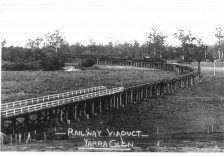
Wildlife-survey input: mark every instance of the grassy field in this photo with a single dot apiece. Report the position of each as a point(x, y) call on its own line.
point(207, 69)
point(17, 85)
point(191, 119)
point(209, 64)
point(185, 123)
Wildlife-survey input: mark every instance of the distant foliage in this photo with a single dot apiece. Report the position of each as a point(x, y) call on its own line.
point(49, 63)
point(21, 66)
point(87, 63)
point(55, 50)
point(156, 44)
point(180, 60)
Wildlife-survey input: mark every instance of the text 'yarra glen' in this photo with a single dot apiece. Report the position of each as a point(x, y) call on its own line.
point(99, 138)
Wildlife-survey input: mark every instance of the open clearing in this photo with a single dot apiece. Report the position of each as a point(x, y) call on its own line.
point(17, 85)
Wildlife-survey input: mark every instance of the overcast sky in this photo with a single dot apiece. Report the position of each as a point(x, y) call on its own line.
point(108, 20)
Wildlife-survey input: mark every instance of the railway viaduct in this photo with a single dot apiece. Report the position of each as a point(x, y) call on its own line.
point(32, 115)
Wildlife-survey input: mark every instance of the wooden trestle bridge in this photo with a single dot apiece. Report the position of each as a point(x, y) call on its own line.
point(34, 114)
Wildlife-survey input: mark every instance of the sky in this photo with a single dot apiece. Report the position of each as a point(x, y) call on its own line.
point(107, 21)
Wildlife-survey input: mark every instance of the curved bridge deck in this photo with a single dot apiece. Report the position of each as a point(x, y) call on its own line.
point(34, 114)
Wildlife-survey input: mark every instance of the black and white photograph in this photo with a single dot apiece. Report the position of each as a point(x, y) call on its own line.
point(114, 76)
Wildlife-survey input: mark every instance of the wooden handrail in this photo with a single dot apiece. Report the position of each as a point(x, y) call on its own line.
point(55, 103)
point(50, 97)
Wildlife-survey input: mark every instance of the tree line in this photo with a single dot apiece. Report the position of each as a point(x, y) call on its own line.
point(51, 51)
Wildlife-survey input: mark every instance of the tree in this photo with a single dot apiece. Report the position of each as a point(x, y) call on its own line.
point(186, 39)
point(220, 36)
point(3, 42)
point(92, 46)
point(170, 53)
point(110, 48)
point(156, 43)
point(199, 53)
point(188, 52)
point(136, 49)
point(77, 48)
point(54, 41)
point(33, 44)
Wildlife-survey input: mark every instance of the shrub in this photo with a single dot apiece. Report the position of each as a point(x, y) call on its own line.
point(19, 66)
point(209, 56)
point(180, 61)
point(51, 63)
point(88, 63)
point(45, 63)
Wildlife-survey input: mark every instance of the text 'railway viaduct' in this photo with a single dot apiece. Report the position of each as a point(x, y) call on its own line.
point(34, 114)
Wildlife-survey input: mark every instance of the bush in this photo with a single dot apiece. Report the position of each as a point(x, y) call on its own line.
point(180, 61)
point(51, 63)
point(20, 66)
point(157, 60)
point(46, 63)
point(209, 56)
point(88, 63)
